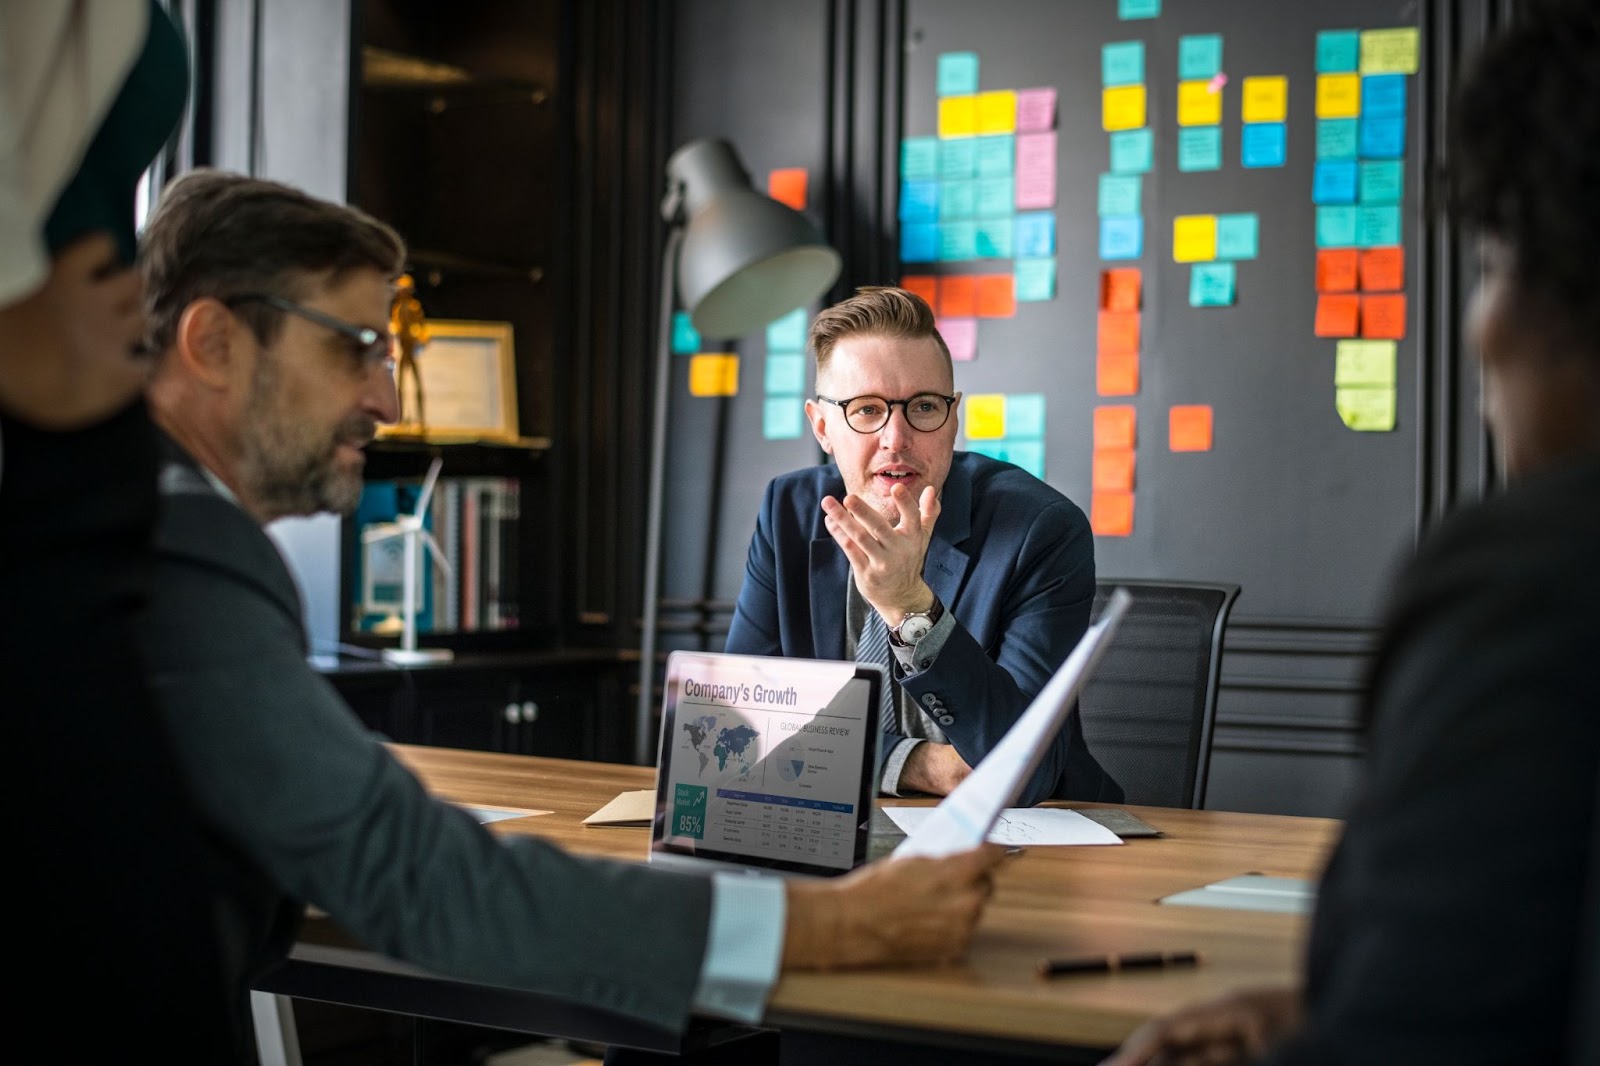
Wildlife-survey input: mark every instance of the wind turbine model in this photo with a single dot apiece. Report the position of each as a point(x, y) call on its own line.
point(409, 528)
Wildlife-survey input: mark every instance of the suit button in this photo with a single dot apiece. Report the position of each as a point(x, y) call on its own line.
point(946, 719)
point(930, 700)
point(924, 664)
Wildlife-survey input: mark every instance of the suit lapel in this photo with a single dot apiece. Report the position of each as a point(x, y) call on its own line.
point(946, 566)
point(830, 572)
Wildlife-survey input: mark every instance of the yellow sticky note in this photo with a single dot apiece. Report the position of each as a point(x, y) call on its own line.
point(1389, 51)
point(1364, 364)
point(1122, 108)
point(714, 374)
point(1198, 103)
point(1266, 99)
point(1338, 95)
point(997, 112)
point(958, 116)
point(985, 416)
point(1194, 238)
point(1366, 410)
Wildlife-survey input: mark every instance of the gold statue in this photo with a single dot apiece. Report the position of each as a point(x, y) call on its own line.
point(410, 331)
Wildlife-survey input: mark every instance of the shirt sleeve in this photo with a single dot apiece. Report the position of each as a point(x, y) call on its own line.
point(895, 765)
point(744, 949)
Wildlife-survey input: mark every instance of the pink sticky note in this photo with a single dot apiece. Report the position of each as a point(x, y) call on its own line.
point(1036, 110)
point(1036, 170)
point(961, 337)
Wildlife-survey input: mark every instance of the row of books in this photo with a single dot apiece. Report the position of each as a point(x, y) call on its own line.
point(475, 523)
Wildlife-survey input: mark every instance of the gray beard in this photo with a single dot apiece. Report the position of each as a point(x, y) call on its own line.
point(285, 471)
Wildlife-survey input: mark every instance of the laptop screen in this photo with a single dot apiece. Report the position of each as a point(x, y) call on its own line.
point(767, 761)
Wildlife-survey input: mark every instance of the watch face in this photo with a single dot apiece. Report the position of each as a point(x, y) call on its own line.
point(914, 627)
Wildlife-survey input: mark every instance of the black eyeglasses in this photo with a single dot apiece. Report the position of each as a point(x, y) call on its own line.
point(372, 348)
point(926, 411)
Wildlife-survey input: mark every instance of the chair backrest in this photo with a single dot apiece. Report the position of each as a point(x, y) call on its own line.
point(1150, 706)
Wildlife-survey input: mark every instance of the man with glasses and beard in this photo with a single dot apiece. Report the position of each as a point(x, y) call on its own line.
point(968, 578)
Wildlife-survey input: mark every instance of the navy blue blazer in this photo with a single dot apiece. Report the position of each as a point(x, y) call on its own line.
point(1010, 557)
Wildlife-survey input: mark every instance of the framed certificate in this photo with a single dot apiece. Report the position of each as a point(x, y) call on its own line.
point(466, 372)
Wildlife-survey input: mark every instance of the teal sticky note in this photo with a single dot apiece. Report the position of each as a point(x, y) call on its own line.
point(995, 238)
point(1131, 151)
point(958, 240)
point(1263, 144)
point(1382, 181)
point(996, 156)
point(788, 334)
point(1199, 148)
point(1121, 238)
point(1036, 233)
point(1377, 227)
point(919, 201)
point(994, 449)
point(957, 200)
point(919, 159)
point(1336, 138)
point(1336, 227)
point(1028, 454)
point(1238, 236)
point(958, 73)
point(782, 418)
point(685, 338)
point(786, 374)
point(958, 158)
point(1338, 51)
point(1035, 280)
point(1199, 56)
point(1211, 284)
point(1334, 181)
point(1025, 416)
point(1121, 63)
point(919, 242)
point(996, 197)
point(1119, 194)
point(1138, 9)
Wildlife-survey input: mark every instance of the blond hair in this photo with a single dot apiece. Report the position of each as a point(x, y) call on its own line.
point(874, 311)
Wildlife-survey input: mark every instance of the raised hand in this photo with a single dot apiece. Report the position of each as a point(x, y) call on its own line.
point(886, 557)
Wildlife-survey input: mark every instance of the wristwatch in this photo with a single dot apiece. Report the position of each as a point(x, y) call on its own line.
point(916, 625)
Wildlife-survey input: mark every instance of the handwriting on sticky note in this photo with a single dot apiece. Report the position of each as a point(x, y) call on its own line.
point(1122, 108)
point(1189, 428)
point(1121, 63)
point(1365, 410)
point(1118, 333)
point(1112, 470)
point(1122, 238)
point(1194, 238)
point(925, 286)
point(1364, 363)
point(1036, 171)
point(984, 416)
point(1114, 426)
point(958, 73)
point(919, 159)
point(1338, 95)
point(1199, 148)
point(997, 296)
point(1212, 284)
point(1265, 99)
point(714, 374)
point(1119, 289)
point(1132, 151)
point(1199, 56)
point(1198, 103)
point(1336, 270)
point(1383, 269)
point(1338, 315)
point(996, 156)
point(1117, 374)
point(1338, 51)
point(958, 116)
point(1238, 236)
point(1389, 51)
point(958, 296)
point(1111, 514)
point(1119, 194)
point(1036, 110)
point(1036, 280)
point(961, 337)
point(788, 186)
point(1383, 316)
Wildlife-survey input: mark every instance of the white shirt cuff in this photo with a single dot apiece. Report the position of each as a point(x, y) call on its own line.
point(745, 947)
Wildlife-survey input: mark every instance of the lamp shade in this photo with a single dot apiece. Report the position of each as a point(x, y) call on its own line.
point(746, 259)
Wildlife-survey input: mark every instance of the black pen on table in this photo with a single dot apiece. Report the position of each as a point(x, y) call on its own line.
point(1139, 960)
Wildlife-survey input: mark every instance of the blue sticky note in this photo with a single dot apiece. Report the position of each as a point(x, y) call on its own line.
point(1122, 63)
point(958, 200)
point(1131, 151)
point(1337, 138)
point(1025, 416)
point(1199, 148)
point(1199, 56)
point(788, 334)
point(1238, 236)
point(1211, 285)
point(1035, 280)
point(997, 156)
point(919, 159)
point(1383, 136)
point(1336, 227)
point(996, 197)
point(1334, 182)
point(685, 338)
point(919, 201)
point(1119, 194)
point(1383, 95)
point(958, 158)
point(1377, 227)
point(1122, 238)
point(1263, 144)
point(1028, 454)
point(786, 374)
point(782, 418)
point(919, 242)
point(958, 240)
point(1035, 233)
point(1138, 9)
point(1338, 51)
point(958, 73)
point(1383, 181)
point(995, 238)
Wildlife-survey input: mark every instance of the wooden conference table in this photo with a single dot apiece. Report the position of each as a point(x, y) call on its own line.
point(991, 1007)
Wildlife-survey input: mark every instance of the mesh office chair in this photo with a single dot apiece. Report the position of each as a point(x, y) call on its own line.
point(1149, 708)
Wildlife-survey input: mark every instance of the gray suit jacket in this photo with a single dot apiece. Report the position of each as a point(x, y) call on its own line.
point(303, 804)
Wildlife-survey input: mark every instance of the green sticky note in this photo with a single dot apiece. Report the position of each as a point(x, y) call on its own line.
point(1025, 416)
point(957, 200)
point(1365, 410)
point(996, 155)
point(788, 334)
point(1364, 363)
point(919, 158)
point(1238, 236)
point(1199, 148)
point(1199, 56)
point(1382, 181)
point(1132, 151)
point(1338, 51)
point(786, 374)
point(957, 241)
point(1028, 454)
point(782, 418)
point(958, 158)
point(1377, 227)
point(1119, 194)
point(1336, 227)
point(995, 197)
point(1121, 63)
point(995, 238)
point(1211, 284)
point(958, 73)
point(1337, 138)
point(1035, 280)
point(1138, 9)
point(685, 338)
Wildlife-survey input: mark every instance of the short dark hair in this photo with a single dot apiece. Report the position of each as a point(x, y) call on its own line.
point(218, 234)
point(874, 311)
point(1524, 153)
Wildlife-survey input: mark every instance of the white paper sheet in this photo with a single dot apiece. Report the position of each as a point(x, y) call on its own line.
point(1023, 827)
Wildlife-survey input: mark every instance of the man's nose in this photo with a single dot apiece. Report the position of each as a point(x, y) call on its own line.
point(895, 432)
point(382, 397)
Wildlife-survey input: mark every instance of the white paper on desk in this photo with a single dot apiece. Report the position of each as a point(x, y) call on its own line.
point(1022, 827)
point(485, 815)
point(963, 819)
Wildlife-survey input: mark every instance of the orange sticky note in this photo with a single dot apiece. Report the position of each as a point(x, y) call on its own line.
point(714, 374)
point(788, 186)
point(1337, 316)
point(1114, 427)
point(1119, 333)
point(1117, 374)
point(997, 295)
point(1119, 289)
point(1111, 513)
point(1113, 470)
point(1383, 316)
point(1189, 428)
point(958, 296)
point(925, 286)
point(1383, 269)
point(1336, 270)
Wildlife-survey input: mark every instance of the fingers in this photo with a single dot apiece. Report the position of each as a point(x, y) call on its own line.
point(929, 507)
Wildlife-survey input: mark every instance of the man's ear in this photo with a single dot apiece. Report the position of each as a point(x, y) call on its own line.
point(209, 343)
point(819, 424)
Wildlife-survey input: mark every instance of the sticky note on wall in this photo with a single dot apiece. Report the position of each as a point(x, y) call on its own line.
point(1132, 151)
point(1383, 316)
point(1199, 103)
point(997, 112)
point(1121, 63)
point(1265, 99)
point(1336, 270)
point(788, 186)
point(1111, 514)
point(958, 73)
point(685, 338)
point(1119, 289)
point(984, 416)
point(1199, 56)
point(1189, 428)
point(1115, 426)
point(1118, 333)
point(1238, 236)
point(1199, 149)
point(714, 374)
point(1392, 51)
point(1212, 284)
point(1364, 363)
point(1122, 108)
point(1338, 315)
point(1194, 238)
point(1338, 95)
point(958, 116)
point(1036, 280)
point(1117, 374)
point(1366, 410)
point(1383, 269)
point(1112, 470)
point(1025, 416)
point(782, 418)
point(997, 296)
